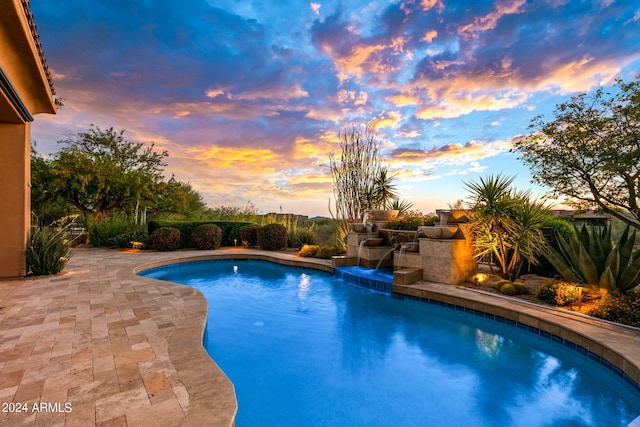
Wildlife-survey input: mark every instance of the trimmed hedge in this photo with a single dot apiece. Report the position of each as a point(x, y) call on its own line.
point(272, 237)
point(206, 237)
point(229, 230)
point(249, 235)
point(165, 238)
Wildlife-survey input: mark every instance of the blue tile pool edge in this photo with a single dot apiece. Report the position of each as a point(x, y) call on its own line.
point(523, 326)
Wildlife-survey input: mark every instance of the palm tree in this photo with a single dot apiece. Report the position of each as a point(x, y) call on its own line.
point(506, 224)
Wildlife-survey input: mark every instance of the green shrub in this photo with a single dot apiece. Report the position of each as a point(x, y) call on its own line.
point(520, 288)
point(165, 239)
point(301, 237)
point(272, 237)
point(559, 293)
point(547, 292)
point(508, 289)
point(47, 250)
point(249, 235)
point(135, 233)
point(553, 227)
point(327, 251)
point(501, 283)
point(410, 220)
point(618, 308)
point(513, 288)
point(431, 218)
point(206, 236)
point(108, 227)
point(230, 234)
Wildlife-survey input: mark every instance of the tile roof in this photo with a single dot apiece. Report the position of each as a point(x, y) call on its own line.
point(36, 39)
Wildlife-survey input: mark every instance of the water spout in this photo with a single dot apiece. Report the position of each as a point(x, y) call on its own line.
point(384, 256)
point(403, 249)
point(365, 217)
point(444, 215)
point(360, 250)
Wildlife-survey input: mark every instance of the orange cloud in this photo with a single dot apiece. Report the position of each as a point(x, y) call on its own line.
point(429, 36)
point(489, 21)
point(449, 154)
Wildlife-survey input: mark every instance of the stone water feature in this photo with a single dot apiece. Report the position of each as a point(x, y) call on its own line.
point(442, 253)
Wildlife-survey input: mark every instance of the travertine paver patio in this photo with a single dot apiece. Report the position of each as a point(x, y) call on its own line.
point(116, 349)
point(99, 345)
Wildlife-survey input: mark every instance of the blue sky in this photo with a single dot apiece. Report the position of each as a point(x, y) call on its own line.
point(248, 97)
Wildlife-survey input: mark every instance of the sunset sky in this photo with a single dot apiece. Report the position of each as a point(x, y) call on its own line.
point(248, 96)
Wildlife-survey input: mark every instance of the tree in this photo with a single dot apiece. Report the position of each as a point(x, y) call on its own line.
point(46, 204)
point(99, 171)
point(590, 151)
point(179, 198)
point(506, 224)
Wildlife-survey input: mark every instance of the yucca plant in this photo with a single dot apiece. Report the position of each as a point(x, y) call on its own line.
point(592, 258)
point(48, 251)
point(506, 224)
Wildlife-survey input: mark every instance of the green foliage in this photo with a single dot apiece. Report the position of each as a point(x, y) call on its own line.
point(508, 289)
point(99, 171)
point(552, 227)
point(559, 293)
point(431, 219)
point(48, 251)
point(45, 204)
point(623, 309)
point(135, 236)
point(165, 239)
point(589, 151)
point(302, 236)
point(247, 213)
point(104, 231)
point(272, 237)
point(249, 235)
point(327, 251)
point(206, 237)
point(177, 199)
point(229, 230)
point(326, 232)
point(592, 258)
point(409, 220)
point(402, 206)
point(506, 224)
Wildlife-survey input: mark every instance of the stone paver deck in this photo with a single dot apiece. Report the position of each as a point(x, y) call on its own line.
point(99, 345)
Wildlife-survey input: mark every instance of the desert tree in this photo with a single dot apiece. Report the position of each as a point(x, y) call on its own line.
point(590, 151)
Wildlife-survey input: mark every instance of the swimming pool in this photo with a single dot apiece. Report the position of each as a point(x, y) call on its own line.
point(303, 348)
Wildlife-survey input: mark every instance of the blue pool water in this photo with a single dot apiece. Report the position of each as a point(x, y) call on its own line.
point(303, 348)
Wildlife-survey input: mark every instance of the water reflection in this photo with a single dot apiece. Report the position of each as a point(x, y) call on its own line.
point(296, 342)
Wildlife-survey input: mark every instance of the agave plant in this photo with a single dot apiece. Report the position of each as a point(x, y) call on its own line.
point(593, 259)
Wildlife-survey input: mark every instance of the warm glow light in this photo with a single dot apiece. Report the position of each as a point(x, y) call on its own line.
point(479, 278)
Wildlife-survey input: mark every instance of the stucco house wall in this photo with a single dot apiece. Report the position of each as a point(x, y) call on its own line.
point(26, 89)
